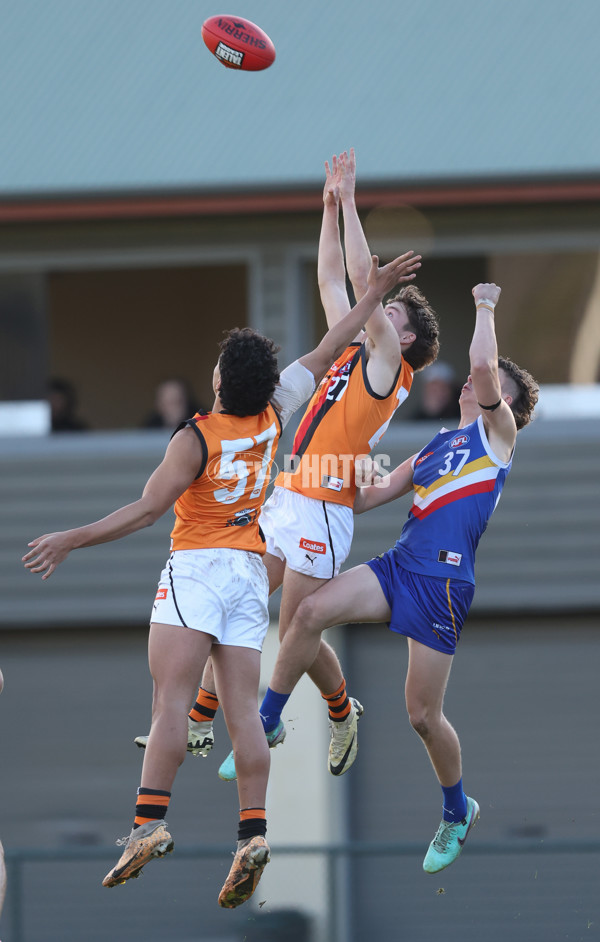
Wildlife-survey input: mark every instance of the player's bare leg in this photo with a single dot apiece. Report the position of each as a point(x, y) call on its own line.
point(325, 670)
point(426, 682)
point(176, 657)
point(237, 672)
point(200, 719)
point(337, 601)
point(353, 596)
point(275, 569)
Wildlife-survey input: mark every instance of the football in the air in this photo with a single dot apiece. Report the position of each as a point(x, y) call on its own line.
point(238, 43)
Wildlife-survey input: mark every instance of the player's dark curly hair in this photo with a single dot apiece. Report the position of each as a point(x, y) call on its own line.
point(528, 390)
point(423, 321)
point(248, 371)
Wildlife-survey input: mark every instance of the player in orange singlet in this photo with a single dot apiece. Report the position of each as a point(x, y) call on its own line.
point(308, 521)
point(213, 592)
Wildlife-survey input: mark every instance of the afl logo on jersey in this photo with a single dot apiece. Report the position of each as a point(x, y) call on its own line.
point(459, 440)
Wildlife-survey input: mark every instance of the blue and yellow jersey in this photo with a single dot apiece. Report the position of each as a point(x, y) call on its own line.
point(457, 483)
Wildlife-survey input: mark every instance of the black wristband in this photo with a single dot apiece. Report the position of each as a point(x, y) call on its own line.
point(490, 408)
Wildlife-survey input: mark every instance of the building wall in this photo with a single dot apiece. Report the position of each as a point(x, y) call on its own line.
point(551, 295)
point(109, 300)
point(543, 541)
point(520, 695)
point(117, 333)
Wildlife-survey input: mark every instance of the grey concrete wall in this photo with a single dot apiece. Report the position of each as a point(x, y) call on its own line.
point(522, 697)
point(521, 694)
point(539, 553)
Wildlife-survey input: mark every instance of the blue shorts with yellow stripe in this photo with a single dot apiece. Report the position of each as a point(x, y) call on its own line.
point(430, 609)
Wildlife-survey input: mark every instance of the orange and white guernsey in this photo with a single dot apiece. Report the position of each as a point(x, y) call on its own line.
point(220, 508)
point(344, 419)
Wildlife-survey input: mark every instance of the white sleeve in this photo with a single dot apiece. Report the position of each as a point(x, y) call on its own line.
point(296, 385)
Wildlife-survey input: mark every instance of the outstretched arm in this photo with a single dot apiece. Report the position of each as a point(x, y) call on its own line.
point(331, 271)
point(384, 488)
point(337, 338)
point(358, 256)
point(483, 356)
point(176, 472)
point(386, 350)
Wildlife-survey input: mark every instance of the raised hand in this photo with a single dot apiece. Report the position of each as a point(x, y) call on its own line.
point(401, 270)
point(331, 193)
point(347, 175)
point(367, 471)
point(486, 292)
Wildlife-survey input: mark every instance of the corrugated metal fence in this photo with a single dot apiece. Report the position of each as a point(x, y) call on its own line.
point(543, 540)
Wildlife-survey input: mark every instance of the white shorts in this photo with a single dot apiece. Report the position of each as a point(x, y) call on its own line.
point(312, 536)
point(222, 592)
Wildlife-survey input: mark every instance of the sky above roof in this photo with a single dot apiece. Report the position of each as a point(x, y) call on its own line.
point(107, 95)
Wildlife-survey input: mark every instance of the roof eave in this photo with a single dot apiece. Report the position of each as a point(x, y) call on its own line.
point(259, 201)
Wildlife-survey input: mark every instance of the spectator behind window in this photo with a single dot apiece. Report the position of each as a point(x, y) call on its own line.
point(62, 398)
point(174, 401)
point(439, 393)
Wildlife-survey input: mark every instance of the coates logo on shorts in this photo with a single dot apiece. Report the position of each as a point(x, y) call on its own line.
point(312, 546)
point(234, 473)
point(459, 440)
